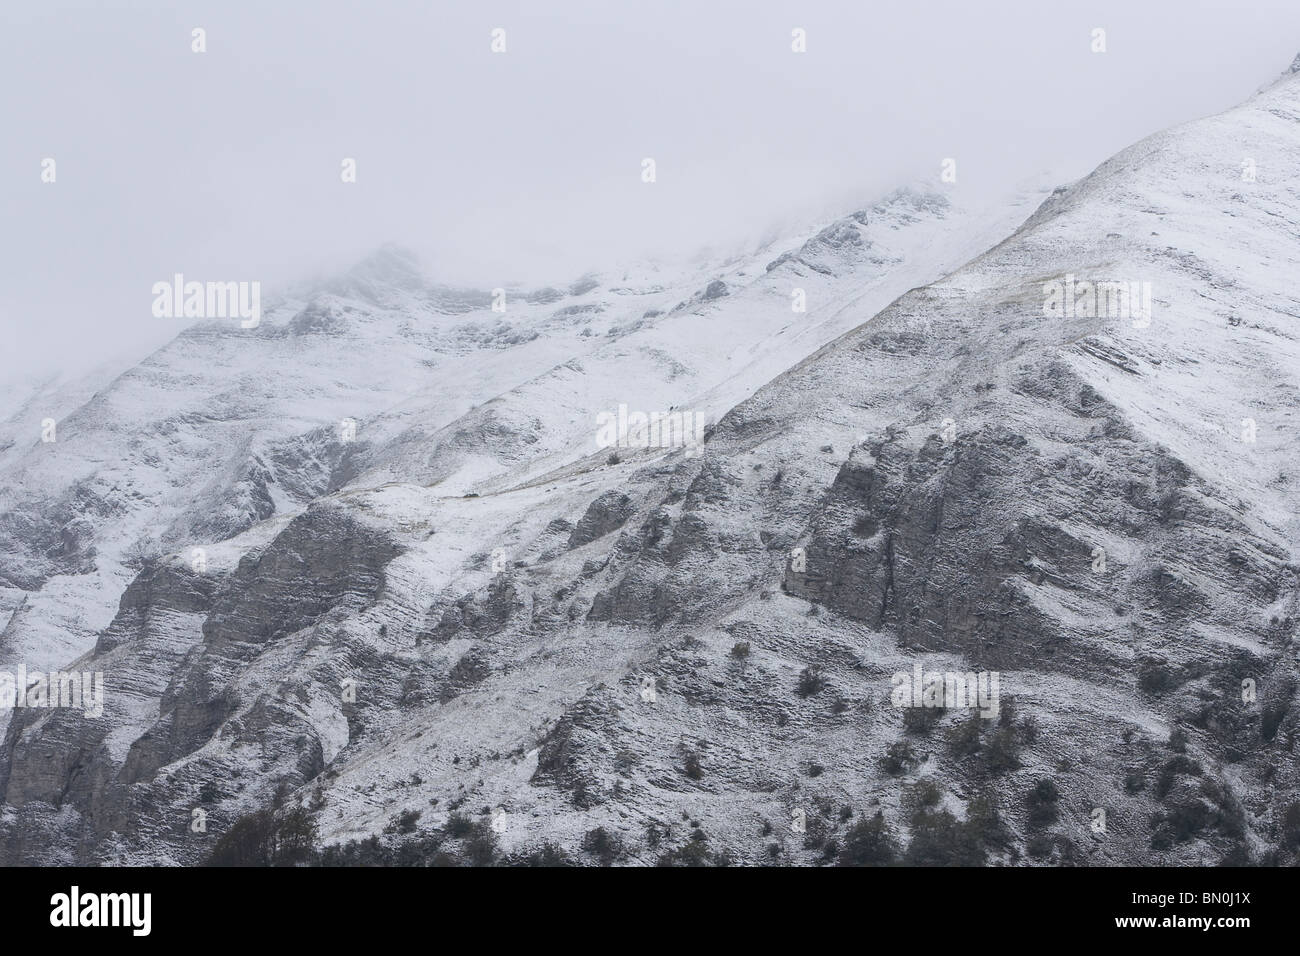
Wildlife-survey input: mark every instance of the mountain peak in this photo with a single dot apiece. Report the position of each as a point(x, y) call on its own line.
point(389, 263)
point(390, 267)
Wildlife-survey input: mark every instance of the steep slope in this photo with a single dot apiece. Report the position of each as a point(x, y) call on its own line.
point(227, 426)
point(695, 653)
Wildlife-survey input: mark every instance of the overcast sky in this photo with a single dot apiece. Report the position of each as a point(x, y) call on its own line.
point(526, 165)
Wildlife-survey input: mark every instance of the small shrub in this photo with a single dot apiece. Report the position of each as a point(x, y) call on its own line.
point(986, 824)
point(605, 846)
point(868, 843)
point(964, 738)
point(692, 765)
point(939, 839)
point(1042, 800)
point(481, 848)
point(923, 797)
point(1179, 823)
point(811, 681)
point(1154, 676)
point(1002, 752)
point(921, 720)
point(548, 854)
point(1029, 731)
point(899, 758)
point(695, 852)
point(1171, 769)
point(458, 825)
point(1040, 845)
point(404, 822)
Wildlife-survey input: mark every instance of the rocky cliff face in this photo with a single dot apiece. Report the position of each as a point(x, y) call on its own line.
point(662, 657)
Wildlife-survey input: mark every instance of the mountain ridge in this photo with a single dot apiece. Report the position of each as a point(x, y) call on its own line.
point(931, 484)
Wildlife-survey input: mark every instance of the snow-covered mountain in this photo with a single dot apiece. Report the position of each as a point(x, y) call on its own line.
point(226, 427)
point(472, 633)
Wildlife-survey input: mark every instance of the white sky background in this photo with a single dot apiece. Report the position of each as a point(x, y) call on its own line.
point(525, 166)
